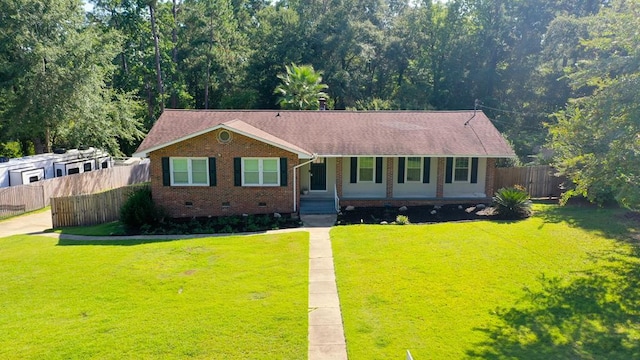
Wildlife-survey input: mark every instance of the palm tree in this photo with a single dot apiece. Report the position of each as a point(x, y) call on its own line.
point(301, 88)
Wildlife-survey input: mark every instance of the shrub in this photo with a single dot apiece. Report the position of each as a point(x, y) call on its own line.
point(402, 220)
point(139, 210)
point(512, 203)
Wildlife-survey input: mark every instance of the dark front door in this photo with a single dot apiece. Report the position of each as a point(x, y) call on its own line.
point(318, 176)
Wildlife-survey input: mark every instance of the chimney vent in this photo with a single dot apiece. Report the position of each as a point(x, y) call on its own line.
point(323, 104)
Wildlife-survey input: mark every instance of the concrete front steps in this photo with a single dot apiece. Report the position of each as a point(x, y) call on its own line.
point(317, 206)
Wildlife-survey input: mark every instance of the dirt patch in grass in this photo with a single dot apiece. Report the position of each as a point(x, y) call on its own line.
point(416, 214)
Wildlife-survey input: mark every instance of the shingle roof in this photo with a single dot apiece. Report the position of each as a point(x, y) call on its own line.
point(342, 133)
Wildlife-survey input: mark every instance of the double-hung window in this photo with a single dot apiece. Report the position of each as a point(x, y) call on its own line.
point(461, 170)
point(414, 169)
point(260, 172)
point(189, 172)
point(366, 169)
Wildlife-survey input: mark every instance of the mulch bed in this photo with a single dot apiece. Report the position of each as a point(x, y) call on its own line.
point(416, 214)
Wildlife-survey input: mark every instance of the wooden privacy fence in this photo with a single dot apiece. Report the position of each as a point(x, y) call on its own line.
point(540, 181)
point(92, 209)
point(15, 201)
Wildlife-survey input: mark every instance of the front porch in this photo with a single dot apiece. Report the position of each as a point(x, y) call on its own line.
point(394, 181)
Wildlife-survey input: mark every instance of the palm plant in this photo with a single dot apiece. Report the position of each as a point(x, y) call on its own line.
point(512, 203)
point(301, 88)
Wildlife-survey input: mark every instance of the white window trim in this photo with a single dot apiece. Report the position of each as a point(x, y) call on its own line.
point(406, 170)
point(261, 171)
point(189, 171)
point(373, 174)
point(453, 171)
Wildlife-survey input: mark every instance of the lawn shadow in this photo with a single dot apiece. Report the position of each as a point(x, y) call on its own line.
point(593, 316)
point(113, 242)
point(612, 222)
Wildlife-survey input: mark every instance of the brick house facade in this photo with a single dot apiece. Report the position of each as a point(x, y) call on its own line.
point(214, 163)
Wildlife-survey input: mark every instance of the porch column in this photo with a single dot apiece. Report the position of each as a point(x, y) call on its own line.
point(389, 177)
point(441, 176)
point(339, 176)
point(489, 184)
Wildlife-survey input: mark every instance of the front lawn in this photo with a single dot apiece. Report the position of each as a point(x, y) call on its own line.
point(209, 298)
point(560, 285)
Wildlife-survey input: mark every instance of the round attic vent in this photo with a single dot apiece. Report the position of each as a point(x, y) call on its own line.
point(224, 136)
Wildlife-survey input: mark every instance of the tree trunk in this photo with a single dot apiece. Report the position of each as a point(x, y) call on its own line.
point(174, 52)
point(156, 45)
point(206, 85)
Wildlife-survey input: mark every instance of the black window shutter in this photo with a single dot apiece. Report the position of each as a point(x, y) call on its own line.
point(378, 170)
point(354, 170)
point(401, 170)
point(283, 171)
point(213, 181)
point(426, 170)
point(449, 173)
point(237, 171)
point(166, 172)
point(474, 170)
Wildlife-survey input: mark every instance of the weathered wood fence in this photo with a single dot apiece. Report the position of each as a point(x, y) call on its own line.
point(90, 209)
point(15, 200)
point(540, 181)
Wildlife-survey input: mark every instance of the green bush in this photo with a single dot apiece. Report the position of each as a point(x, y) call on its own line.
point(402, 220)
point(512, 203)
point(139, 210)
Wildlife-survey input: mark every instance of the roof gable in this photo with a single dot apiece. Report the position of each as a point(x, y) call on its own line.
point(236, 126)
point(341, 133)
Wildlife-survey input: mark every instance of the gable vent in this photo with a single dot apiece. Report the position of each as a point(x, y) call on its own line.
point(224, 136)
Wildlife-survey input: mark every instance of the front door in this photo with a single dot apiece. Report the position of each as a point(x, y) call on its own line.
point(318, 176)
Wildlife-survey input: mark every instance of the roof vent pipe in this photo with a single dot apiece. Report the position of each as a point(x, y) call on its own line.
point(323, 104)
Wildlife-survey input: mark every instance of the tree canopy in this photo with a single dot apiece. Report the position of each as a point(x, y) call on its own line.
point(556, 74)
point(597, 136)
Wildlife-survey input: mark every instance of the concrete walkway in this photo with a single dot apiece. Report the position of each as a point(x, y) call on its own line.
point(326, 333)
point(34, 223)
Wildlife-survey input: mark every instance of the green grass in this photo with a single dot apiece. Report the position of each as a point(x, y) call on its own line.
point(209, 298)
point(560, 285)
point(107, 229)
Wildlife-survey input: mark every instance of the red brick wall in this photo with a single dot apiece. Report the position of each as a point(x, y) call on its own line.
point(409, 202)
point(440, 177)
point(208, 200)
point(389, 177)
point(489, 185)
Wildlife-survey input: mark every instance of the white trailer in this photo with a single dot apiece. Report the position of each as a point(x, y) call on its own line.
point(29, 169)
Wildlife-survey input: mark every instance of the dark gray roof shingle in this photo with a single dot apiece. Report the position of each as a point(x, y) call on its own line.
point(345, 133)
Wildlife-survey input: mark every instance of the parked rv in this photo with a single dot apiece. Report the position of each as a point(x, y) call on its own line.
point(30, 169)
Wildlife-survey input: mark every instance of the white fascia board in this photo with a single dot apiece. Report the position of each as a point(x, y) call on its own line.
point(144, 154)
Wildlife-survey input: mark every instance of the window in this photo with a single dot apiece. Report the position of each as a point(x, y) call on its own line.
point(73, 171)
point(461, 170)
point(414, 169)
point(189, 171)
point(260, 172)
point(87, 167)
point(365, 169)
point(105, 164)
point(58, 172)
point(33, 179)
